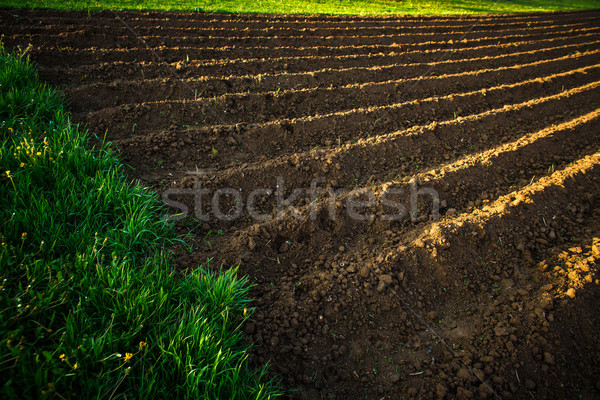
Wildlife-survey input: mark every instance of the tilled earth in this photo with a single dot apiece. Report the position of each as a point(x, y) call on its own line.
point(470, 270)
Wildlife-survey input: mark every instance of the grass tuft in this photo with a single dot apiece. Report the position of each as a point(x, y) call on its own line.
point(90, 306)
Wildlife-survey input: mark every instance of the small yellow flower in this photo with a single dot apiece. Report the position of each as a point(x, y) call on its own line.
point(143, 344)
point(8, 342)
point(24, 235)
point(128, 356)
point(22, 164)
point(62, 356)
point(75, 366)
point(8, 173)
point(39, 153)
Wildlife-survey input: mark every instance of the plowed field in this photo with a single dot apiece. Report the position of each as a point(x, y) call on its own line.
point(416, 199)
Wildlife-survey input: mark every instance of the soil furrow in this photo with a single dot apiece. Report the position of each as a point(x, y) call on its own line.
point(78, 36)
point(405, 152)
point(153, 70)
point(102, 96)
point(463, 184)
point(248, 53)
point(58, 55)
point(245, 144)
point(261, 108)
point(474, 33)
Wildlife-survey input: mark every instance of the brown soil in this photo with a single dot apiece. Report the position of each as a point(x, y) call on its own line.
point(496, 298)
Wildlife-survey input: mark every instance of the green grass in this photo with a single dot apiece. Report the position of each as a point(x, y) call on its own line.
point(359, 7)
point(90, 307)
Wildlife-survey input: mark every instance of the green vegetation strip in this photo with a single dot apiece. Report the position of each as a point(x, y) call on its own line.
point(90, 307)
point(356, 7)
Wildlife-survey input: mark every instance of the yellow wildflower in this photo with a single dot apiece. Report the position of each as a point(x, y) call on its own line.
point(62, 356)
point(22, 164)
point(24, 235)
point(143, 344)
point(128, 356)
point(75, 366)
